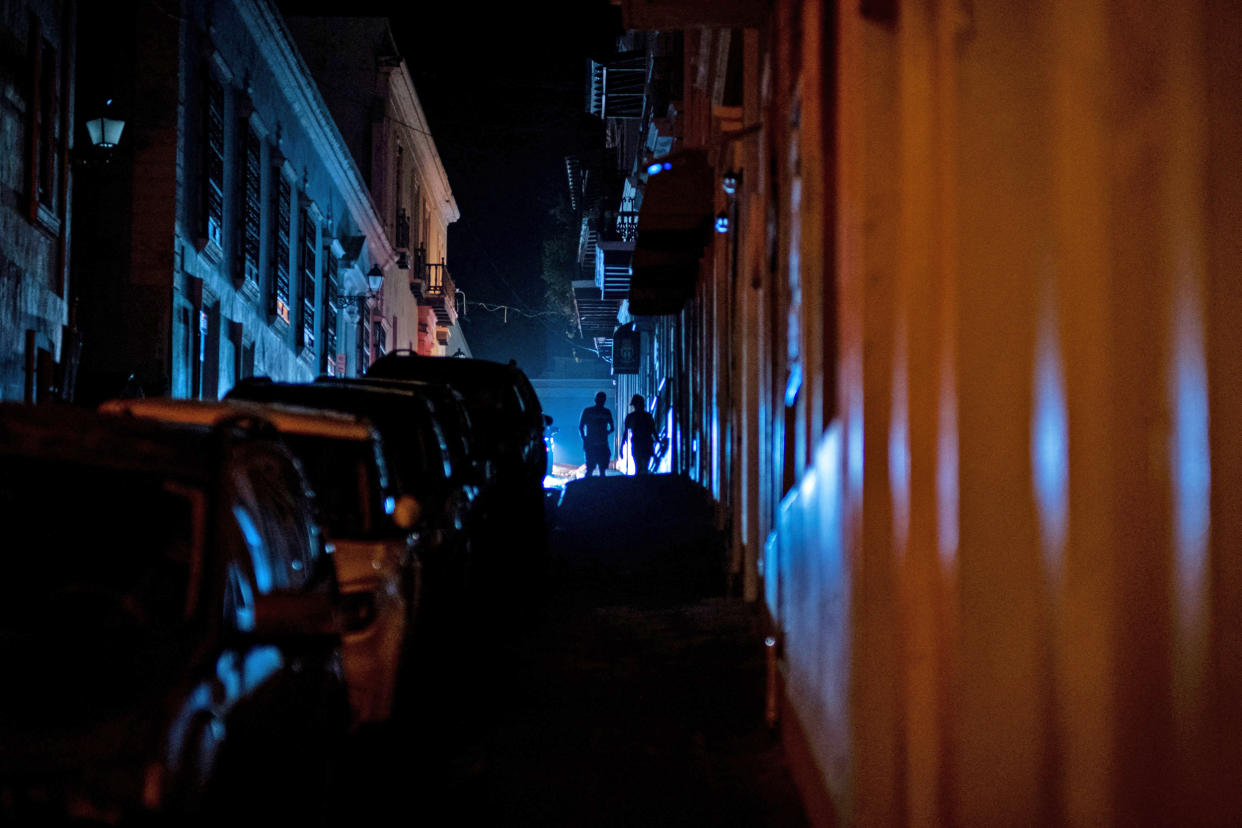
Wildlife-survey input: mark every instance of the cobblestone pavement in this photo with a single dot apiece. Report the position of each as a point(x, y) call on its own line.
point(629, 692)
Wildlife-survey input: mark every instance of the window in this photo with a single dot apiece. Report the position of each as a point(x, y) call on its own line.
point(209, 350)
point(183, 335)
point(306, 285)
point(364, 341)
point(279, 299)
point(42, 156)
point(381, 338)
point(213, 164)
point(330, 310)
point(246, 368)
point(398, 181)
point(47, 127)
point(250, 169)
point(403, 229)
point(417, 209)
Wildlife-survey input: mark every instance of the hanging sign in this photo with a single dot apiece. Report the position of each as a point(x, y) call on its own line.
point(626, 351)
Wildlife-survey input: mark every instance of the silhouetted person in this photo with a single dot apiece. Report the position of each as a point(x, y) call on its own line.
point(640, 430)
point(596, 426)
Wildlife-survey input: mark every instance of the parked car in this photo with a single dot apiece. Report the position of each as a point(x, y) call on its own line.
point(450, 421)
point(419, 458)
point(357, 506)
point(507, 416)
point(167, 622)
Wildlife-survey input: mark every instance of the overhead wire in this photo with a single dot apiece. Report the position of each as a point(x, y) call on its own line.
point(541, 316)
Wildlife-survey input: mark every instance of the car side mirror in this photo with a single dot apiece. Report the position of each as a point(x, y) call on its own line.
point(406, 512)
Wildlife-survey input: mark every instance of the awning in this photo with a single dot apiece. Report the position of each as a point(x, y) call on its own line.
point(674, 225)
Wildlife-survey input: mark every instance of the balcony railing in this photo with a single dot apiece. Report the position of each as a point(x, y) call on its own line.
point(432, 285)
point(626, 226)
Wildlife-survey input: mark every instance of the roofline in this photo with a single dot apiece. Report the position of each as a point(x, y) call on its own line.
point(412, 117)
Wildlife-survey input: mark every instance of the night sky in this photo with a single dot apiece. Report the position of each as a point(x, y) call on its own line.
point(504, 92)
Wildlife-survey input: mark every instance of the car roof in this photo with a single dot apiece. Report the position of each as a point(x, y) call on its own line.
point(441, 367)
point(470, 376)
point(463, 372)
point(285, 418)
point(354, 399)
point(65, 433)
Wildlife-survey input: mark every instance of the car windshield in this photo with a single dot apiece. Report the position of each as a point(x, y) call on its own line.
point(345, 479)
point(96, 544)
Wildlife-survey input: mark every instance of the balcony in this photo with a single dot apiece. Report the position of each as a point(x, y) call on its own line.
point(613, 261)
point(597, 315)
point(615, 89)
point(432, 285)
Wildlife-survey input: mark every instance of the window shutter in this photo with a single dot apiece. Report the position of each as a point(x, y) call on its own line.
point(280, 248)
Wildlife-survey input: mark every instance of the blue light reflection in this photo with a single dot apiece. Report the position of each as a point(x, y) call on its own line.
point(1191, 452)
point(1050, 443)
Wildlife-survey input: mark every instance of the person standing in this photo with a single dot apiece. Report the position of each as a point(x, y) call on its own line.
point(596, 427)
point(640, 431)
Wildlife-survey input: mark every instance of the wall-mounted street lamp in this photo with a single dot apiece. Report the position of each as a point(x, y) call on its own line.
point(375, 282)
point(105, 132)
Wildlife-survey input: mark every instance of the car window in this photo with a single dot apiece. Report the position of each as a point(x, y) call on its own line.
point(132, 541)
point(347, 482)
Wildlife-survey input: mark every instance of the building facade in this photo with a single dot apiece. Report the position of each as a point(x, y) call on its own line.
point(232, 232)
point(636, 94)
point(37, 123)
point(963, 372)
point(368, 88)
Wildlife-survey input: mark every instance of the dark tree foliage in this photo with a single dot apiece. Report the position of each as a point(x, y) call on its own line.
point(560, 258)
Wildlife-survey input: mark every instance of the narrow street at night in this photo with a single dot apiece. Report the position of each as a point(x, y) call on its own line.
point(906, 339)
point(632, 693)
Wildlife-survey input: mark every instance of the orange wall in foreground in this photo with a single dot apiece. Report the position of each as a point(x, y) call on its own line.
point(1005, 571)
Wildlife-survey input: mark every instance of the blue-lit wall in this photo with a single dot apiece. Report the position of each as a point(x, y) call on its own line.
point(190, 324)
point(35, 178)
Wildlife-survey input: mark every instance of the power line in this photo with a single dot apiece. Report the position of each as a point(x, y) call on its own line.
point(507, 309)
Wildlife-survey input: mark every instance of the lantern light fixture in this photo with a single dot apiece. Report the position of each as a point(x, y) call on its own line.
point(352, 301)
point(105, 132)
point(375, 278)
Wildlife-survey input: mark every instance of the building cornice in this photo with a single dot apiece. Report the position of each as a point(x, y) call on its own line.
point(291, 74)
